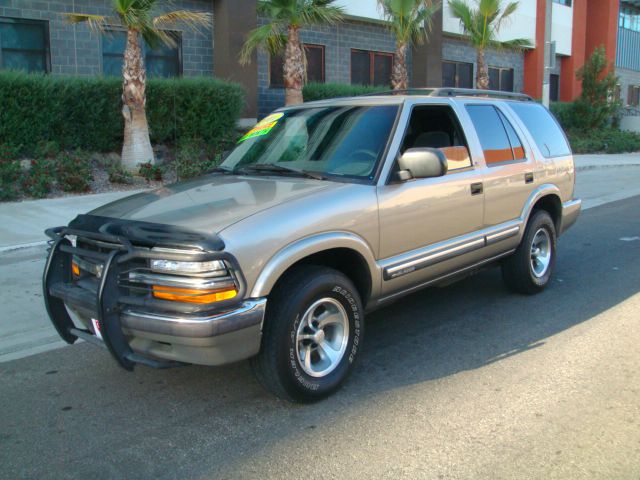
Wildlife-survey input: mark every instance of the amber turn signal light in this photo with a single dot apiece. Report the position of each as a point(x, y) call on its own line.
point(192, 296)
point(75, 269)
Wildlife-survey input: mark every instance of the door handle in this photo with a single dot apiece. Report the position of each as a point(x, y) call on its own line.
point(476, 188)
point(528, 177)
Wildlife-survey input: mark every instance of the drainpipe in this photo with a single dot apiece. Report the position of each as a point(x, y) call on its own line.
point(547, 52)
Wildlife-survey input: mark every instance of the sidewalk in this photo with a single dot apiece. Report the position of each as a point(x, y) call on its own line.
point(22, 223)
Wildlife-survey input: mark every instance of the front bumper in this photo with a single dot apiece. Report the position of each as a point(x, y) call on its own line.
point(141, 330)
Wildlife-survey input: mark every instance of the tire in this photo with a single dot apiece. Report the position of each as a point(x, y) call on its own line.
point(523, 273)
point(309, 294)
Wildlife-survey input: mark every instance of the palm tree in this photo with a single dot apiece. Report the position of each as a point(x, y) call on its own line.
point(482, 26)
point(135, 16)
point(410, 21)
point(282, 32)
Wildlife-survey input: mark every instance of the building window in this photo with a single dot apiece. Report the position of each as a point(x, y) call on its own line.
point(457, 74)
point(554, 87)
point(629, 18)
point(315, 66)
point(162, 61)
point(24, 45)
point(633, 97)
point(371, 68)
point(566, 3)
point(501, 79)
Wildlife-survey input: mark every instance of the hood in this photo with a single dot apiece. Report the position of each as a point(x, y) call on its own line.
point(213, 202)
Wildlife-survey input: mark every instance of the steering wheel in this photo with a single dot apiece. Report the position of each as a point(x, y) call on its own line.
point(358, 162)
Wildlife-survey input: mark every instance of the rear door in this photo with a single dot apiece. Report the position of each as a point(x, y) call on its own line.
point(509, 177)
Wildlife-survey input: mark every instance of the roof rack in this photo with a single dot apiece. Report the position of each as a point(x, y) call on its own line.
point(456, 92)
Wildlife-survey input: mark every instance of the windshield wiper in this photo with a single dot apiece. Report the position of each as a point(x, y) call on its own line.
point(274, 168)
point(220, 169)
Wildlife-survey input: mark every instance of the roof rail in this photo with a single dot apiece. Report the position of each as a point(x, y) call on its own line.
point(472, 92)
point(455, 92)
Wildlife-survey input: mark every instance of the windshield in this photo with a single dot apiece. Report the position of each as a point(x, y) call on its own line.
point(345, 141)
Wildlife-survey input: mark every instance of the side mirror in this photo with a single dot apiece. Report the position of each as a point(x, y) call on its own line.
point(422, 163)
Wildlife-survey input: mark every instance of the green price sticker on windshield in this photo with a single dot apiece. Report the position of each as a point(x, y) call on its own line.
point(263, 127)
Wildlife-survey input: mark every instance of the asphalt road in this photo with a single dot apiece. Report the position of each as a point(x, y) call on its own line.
point(466, 381)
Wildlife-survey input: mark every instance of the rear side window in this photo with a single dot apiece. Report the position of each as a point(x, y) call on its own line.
point(516, 144)
point(491, 131)
point(543, 127)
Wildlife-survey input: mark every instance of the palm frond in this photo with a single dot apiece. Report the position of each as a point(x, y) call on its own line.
point(506, 13)
point(191, 20)
point(320, 12)
point(516, 44)
point(97, 23)
point(460, 10)
point(269, 36)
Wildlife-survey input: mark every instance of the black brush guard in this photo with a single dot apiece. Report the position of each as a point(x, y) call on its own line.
point(110, 298)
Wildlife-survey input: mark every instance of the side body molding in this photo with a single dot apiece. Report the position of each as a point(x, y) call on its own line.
point(313, 244)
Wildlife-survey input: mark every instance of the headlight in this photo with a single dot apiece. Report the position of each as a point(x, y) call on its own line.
point(190, 282)
point(213, 267)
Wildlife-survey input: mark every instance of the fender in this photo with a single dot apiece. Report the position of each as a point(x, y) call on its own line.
point(541, 191)
point(307, 246)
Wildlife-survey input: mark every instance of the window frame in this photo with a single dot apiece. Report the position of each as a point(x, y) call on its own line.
point(46, 50)
point(633, 95)
point(116, 28)
point(372, 58)
point(532, 140)
point(400, 136)
point(457, 75)
point(501, 114)
point(500, 70)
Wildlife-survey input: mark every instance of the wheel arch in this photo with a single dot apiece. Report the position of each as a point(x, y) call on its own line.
point(545, 197)
point(343, 251)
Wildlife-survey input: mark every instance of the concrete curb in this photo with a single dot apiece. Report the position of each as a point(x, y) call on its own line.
point(22, 246)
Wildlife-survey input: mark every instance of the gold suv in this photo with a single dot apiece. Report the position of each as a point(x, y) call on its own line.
point(322, 212)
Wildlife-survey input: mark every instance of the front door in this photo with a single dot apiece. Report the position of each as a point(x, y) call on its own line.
point(427, 226)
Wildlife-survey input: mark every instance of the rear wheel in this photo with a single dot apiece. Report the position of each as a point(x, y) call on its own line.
point(530, 268)
point(312, 334)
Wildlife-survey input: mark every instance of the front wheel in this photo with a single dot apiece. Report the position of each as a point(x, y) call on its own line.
point(312, 334)
point(530, 267)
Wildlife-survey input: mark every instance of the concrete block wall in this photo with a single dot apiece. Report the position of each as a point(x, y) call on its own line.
point(338, 41)
point(76, 50)
point(458, 50)
point(626, 78)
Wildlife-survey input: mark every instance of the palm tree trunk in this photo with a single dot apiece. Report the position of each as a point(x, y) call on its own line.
point(137, 146)
point(482, 77)
point(293, 67)
point(400, 77)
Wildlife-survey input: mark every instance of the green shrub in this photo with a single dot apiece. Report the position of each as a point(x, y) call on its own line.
point(118, 174)
point(9, 152)
point(150, 172)
point(10, 173)
point(606, 140)
point(73, 172)
point(38, 182)
point(319, 91)
point(85, 112)
point(565, 113)
point(192, 160)
point(46, 149)
point(595, 107)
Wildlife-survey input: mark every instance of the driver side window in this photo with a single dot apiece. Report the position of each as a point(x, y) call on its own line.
point(436, 126)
